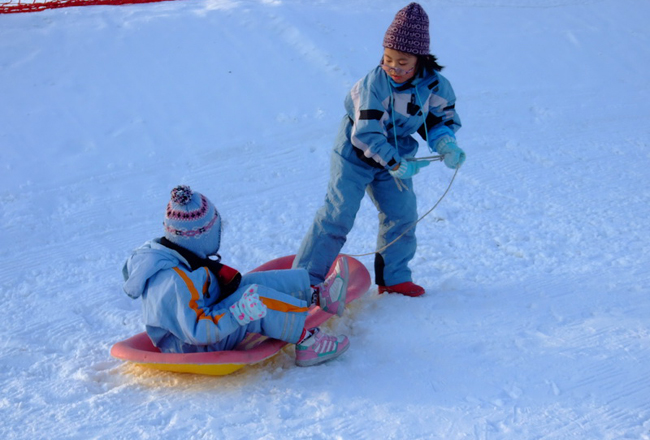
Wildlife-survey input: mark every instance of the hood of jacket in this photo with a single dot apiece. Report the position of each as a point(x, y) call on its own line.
point(145, 262)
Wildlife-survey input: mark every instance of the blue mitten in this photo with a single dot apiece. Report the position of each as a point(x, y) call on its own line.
point(408, 169)
point(453, 156)
point(249, 307)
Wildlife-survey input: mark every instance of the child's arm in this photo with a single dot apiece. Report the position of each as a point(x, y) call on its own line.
point(180, 299)
point(369, 119)
point(442, 120)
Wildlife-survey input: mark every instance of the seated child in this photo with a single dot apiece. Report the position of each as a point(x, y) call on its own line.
point(193, 303)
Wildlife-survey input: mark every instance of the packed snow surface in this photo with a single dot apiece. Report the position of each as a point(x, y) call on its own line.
point(536, 321)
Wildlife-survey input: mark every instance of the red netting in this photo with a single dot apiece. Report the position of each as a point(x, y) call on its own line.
point(33, 6)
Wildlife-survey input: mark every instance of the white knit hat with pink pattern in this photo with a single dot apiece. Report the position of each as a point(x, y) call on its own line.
point(193, 222)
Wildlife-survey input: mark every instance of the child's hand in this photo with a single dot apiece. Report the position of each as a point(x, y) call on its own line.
point(453, 155)
point(408, 169)
point(249, 307)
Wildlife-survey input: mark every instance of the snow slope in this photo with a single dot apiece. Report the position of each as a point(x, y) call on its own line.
point(536, 321)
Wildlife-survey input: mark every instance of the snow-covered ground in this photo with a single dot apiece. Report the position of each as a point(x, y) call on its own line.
point(536, 321)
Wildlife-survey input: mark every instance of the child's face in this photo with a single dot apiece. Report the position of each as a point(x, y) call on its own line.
point(398, 65)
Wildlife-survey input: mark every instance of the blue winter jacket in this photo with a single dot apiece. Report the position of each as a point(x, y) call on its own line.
point(181, 309)
point(382, 115)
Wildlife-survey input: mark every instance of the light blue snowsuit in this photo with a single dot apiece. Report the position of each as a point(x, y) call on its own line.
point(180, 309)
point(373, 137)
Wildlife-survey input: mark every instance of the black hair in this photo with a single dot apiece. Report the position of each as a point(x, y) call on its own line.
point(429, 64)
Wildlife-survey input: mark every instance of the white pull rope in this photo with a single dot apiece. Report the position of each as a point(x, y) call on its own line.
point(418, 220)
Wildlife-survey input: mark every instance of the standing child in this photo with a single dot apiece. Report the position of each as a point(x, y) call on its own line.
point(405, 94)
point(193, 303)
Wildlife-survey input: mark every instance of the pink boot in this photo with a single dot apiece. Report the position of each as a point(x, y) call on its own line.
point(333, 291)
point(319, 348)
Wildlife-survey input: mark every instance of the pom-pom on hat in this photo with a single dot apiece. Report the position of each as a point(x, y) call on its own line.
point(409, 31)
point(193, 222)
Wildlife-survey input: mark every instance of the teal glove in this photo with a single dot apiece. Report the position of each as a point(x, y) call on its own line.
point(249, 307)
point(452, 155)
point(408, 169)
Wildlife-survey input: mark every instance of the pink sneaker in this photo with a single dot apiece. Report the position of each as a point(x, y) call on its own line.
point(333, 291)
point(319, 348)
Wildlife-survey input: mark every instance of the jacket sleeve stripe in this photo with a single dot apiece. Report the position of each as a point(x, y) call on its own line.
point(206, 285)
point(280, 306)
point(431, 121)
point(366, 115)
point(200, 313)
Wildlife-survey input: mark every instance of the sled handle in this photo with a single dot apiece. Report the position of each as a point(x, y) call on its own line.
point(438, 158)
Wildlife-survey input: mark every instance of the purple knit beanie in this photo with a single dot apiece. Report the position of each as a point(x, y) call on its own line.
point(193, 222)
point(409, 31)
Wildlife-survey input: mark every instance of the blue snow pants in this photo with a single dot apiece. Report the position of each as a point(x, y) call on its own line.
point(350, 179)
